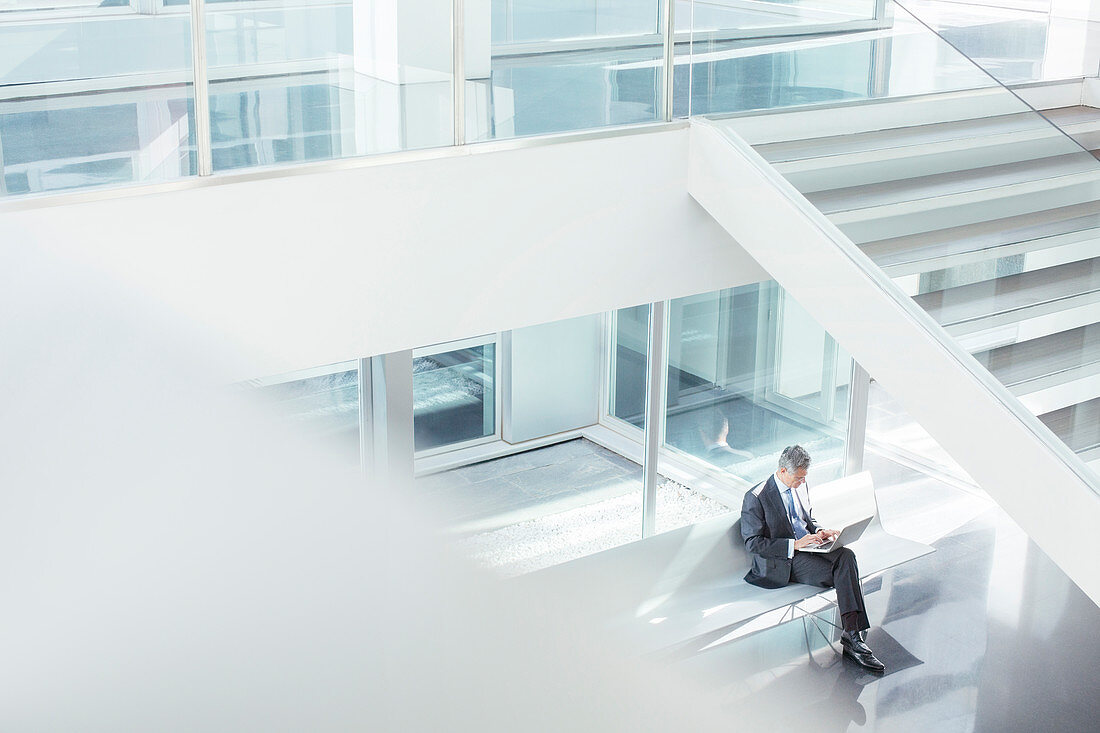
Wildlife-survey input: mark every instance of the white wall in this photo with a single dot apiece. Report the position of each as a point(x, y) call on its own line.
point(304, 270)
point(552, 378)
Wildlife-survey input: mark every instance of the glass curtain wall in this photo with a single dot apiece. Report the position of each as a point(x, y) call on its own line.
point(94, 93)
point(749, 372)
point(301, 81)
point(541, 495)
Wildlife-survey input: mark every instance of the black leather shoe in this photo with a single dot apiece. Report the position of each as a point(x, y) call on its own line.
point(858, 650)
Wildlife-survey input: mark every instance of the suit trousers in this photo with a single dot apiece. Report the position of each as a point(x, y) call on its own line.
point(836, 569)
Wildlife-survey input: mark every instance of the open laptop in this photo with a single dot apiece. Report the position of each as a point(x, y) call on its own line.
point(849, 534)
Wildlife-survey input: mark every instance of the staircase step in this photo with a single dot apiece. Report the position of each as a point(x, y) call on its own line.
point(1014, 298)
point(907, 153)
point(977, 242)
point(923, 215)
point(1050, 372)
point(1081, 123)
point(761, 128)
point(944, 185)
point(1078, 115)
point(1078, 426)
point(895, 138)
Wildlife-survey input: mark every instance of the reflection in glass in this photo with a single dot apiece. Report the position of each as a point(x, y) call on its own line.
point(1016, 41)
point(298, 82)
point(542, 66)
point(905, 59)
point(629, 350)
point(453, 396)
point(93, 94)
point(322, 402)
point(771, 17)
point(746, 379)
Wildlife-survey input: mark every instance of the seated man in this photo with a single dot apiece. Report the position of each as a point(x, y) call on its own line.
point(776, 522)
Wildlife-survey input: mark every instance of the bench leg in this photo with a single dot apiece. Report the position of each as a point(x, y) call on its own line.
point(815, 618)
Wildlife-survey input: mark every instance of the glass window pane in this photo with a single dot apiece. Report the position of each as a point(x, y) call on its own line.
point(747, 377)
point(453, 396)
point(294, 82)
point(800, 348)
point(94, 94)
point(629, 352)
point(552, 503)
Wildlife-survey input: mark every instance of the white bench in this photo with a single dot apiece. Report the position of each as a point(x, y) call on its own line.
point(688, 584)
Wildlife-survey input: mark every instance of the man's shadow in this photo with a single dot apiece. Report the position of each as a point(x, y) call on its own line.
point(840, 707)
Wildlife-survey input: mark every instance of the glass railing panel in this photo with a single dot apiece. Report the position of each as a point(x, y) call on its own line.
point(901, 59)
point(977, 206)
point(516, 22)
point(534, 68)
point(1015, 42)
point(94, 94)
point(758, 17)
point(293, 82)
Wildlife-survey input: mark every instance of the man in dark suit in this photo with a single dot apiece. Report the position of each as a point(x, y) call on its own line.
point(777, 522)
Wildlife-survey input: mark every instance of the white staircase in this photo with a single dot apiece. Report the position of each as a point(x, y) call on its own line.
point(990, 220)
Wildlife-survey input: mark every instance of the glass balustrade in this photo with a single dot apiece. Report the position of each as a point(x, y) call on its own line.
point(94, 94)
point(293, 82)
point(1015, 41)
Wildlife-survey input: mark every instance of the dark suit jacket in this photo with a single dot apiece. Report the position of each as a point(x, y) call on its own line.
point(766, 529)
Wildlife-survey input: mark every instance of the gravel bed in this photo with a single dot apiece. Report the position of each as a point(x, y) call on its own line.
point(557, 538)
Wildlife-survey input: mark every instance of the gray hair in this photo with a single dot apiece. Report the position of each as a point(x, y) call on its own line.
point(793, 458)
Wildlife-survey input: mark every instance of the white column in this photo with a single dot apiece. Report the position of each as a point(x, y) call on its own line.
point(655, 400)
point(386, 418)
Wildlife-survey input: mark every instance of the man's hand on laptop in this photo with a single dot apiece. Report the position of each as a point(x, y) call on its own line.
point(822, 535)
point(808, 541)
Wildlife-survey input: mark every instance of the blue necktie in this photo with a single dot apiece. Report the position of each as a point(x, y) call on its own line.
point(796, 521)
